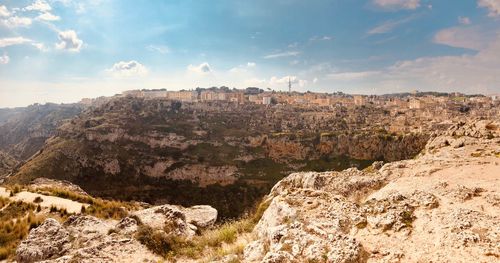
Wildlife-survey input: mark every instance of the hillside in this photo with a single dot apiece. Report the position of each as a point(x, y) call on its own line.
point(442, 206)
point(24, 130)
point(223, 154)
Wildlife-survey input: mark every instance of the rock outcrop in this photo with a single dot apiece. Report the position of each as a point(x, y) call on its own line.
point(214, 151)
point(48, 240)
point(84, 238)
point(442, 206)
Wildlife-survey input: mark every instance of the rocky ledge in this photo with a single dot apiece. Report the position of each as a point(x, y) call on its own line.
point(442, 206)
point(84, 238)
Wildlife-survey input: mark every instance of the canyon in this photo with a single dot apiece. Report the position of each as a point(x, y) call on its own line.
point(223, 154)
point(440, 206)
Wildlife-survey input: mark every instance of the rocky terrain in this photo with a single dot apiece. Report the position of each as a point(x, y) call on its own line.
point(224, 154)
point(442, 206)
point(89, 239)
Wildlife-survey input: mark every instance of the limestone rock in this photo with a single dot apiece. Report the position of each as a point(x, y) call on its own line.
point(441, 206)
point(127, 226)
point(48, 240)
point(201, 215)
point(166, 216)
point(83, 238)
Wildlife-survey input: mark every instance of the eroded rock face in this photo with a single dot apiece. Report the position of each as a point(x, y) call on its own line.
point(83, 238)
point(154, 147)
point(439, 207)
point(48, 240)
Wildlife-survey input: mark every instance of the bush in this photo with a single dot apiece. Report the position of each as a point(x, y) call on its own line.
point(15, 189)
point(38, 200)
point(3, 202)
point(157, 241)
point(53, 209)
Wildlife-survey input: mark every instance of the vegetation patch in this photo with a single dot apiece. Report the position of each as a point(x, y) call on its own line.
point(217, 241)
point(100, 208)
point(16, 220)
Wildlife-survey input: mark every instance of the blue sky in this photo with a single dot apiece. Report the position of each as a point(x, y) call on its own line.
point(63, 50)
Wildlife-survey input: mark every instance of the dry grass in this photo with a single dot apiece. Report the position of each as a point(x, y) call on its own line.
point(98, 207)
point(16, 220)
point(17, 217)
point(211, 243)
point(3, 202)
point(66, 194)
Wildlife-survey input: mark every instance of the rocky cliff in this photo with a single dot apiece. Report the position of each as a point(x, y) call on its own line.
point(183, 153)
point(442, 206)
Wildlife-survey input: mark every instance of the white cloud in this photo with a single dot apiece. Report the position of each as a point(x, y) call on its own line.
point(476, 73)
point(492, 5)
point(39, 5)
point(88, 5)
point(69, 41)
point(4, 59)
point(320, 38)
point(283, 54)
point(48, 17)
point(349, 76)
point(16, 21)
point(40, 46)
point(203, 68)
point(464, 20)
point(4, 12)
point(464, 37)
point(243, 68)
point(397, 4)
point(389, 25)
point(11, 41)
point(162, 49)
point(468, 73)
point(126, 69)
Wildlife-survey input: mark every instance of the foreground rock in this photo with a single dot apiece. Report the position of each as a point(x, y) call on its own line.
point(89, 239)
point(442, 206)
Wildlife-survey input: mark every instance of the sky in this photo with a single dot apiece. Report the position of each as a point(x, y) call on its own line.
point(65, 50)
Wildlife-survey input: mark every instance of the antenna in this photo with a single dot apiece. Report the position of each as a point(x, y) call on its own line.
point(289, 85)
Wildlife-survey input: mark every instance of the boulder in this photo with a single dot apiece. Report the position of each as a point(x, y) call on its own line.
point(201, 216)
point(48, 240)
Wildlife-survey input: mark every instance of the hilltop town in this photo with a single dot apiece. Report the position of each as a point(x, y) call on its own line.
point(400, 112)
